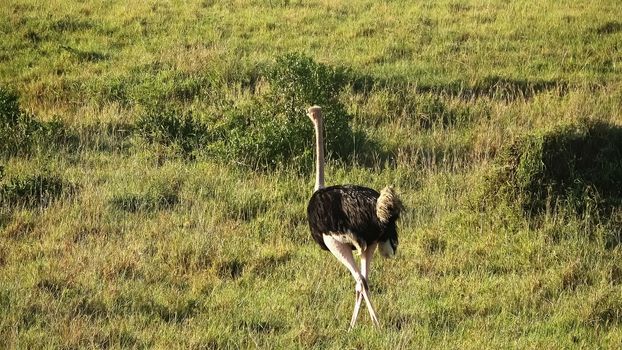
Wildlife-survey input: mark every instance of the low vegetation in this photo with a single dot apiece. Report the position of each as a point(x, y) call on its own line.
point(156, 162)
point(576, 165)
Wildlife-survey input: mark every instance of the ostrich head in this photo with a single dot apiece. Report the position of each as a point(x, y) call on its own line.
point(315, 114)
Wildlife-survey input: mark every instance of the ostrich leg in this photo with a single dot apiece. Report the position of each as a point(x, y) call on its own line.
point(357, 307)
point(343, 253)
point(366, 257)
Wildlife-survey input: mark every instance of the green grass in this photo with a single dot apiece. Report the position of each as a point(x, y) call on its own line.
point(115, 234)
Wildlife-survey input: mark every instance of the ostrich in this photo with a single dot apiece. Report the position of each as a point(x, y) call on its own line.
point(349, 217)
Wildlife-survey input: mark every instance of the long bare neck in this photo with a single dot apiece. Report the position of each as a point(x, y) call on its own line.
point(319, 154)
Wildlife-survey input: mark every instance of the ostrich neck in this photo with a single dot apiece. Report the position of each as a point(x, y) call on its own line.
point(319, 155)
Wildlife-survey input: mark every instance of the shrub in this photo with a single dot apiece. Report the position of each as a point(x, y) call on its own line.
point(578, 165)
point(273, 129)
point(268, 129)
point(255, 138)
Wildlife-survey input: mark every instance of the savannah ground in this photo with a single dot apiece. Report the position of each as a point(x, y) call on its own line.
point(145, 205)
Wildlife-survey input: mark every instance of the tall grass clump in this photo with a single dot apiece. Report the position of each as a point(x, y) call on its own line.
point(33, 190)
point(172, 127)
point(154, 199)
point(579, 165)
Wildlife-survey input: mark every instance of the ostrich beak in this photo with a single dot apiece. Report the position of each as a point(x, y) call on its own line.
point(314, 113)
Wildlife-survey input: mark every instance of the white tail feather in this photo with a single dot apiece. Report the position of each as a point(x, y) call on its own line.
point(388, 206)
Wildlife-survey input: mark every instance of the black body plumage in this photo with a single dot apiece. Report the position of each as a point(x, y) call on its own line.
point(349, 209)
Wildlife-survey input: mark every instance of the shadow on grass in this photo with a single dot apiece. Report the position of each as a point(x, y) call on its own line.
point(36, 190)
point(231, 269)
point(604, 311)
point(577, 163)
point(612, 27)
point(494, 87)
point(172, 311)
point(575, 167)
point(265, 266)
point(148, 202)
point(71, 24)
point(103, 137)
point(85, 56)
point(261, 326)
point(23, 134)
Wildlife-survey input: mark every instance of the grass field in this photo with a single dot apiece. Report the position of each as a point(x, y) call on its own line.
point(155, 167)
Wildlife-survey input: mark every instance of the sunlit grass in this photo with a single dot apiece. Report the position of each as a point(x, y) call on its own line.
point(150, 245)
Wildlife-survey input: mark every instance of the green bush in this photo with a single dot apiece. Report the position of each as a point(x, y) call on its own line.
point(266, 130)
point(255, 138)
point(578, 165)
point(273, 129)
